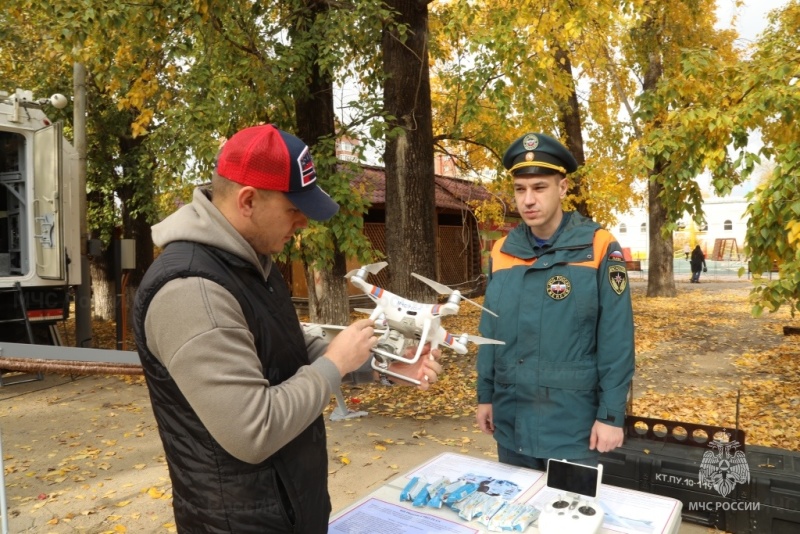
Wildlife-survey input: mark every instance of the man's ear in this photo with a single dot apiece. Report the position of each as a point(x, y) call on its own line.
point(563, 186)
point(245, 200)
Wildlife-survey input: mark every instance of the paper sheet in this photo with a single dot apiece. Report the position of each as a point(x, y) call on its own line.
point(375, 515)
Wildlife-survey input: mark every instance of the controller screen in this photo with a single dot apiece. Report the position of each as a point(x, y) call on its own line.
point(572, 478)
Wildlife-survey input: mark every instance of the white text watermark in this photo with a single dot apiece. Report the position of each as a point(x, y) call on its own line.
point(711, 506)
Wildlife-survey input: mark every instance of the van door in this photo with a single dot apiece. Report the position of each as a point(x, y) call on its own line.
point(47, 215)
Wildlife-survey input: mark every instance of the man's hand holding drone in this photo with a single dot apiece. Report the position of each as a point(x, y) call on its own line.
point(352, 347)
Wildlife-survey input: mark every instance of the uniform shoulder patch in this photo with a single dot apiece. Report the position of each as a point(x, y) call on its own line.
point(616, 256)
point(618, 278)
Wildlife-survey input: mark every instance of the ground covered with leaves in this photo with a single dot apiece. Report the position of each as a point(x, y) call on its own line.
point(695, 356)
point(82, 454)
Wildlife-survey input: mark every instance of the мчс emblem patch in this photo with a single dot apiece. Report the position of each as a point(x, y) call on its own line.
point(618, 278)
point(558, 287)
point(530, 142)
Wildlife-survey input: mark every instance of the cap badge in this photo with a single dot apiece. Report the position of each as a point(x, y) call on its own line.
point(529, 156)
point(530, 142)
point(558, 287)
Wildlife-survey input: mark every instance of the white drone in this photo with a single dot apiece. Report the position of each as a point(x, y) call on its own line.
point(407, 322)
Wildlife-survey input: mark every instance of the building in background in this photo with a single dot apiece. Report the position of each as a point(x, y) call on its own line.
point(721, 237)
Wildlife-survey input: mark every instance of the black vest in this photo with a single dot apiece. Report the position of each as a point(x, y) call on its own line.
point(213, 491)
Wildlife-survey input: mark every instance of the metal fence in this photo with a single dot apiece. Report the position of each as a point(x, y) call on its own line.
point(722, 270)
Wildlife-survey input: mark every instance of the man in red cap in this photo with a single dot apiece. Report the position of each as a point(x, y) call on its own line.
point(237, 389)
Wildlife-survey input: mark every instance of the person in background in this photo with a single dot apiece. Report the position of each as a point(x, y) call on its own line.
point(687, 250)
point(558, 282)
point(236, 386)
point(698, 264)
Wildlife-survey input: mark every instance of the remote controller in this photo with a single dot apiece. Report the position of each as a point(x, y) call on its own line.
point(574, 511)
point(575, 515)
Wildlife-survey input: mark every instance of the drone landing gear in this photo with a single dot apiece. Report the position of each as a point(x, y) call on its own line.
point(342, 412)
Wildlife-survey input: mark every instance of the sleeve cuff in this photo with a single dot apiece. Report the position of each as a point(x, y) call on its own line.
point(329, 370)
point(362, 375)
point(484, 397)
point(610, 417)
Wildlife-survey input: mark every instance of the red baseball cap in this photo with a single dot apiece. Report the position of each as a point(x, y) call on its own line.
point(267, 158)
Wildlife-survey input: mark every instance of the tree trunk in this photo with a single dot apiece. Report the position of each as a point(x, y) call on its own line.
point(137, 228)
point(103, 290)
point(314, 111)
point(660, 272)
point(410, 187)
point(334, 307)
point(141, 234)
point(570, 115)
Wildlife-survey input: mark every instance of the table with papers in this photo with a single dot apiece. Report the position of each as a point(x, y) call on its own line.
point(626, 511)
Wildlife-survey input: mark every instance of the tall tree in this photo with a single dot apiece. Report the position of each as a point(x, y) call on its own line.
point(410, 188)
point(313, 107)
point(764, 97)
point(172, 81)
point(679, 55)
point(293, 51)
point(533, 66)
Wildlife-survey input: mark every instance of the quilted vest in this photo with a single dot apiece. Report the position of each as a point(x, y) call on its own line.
point(213, 492)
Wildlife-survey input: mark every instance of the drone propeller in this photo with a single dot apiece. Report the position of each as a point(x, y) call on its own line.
point(444, 290)
point(373, 268)
point(481, 340)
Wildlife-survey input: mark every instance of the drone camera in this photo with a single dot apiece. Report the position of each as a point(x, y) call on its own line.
point(393, 343)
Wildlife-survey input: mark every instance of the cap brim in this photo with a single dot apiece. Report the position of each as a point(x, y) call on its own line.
point(534, 169)
point(315, 203)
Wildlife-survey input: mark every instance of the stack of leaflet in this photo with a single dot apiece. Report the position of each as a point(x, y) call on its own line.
point(465, 498)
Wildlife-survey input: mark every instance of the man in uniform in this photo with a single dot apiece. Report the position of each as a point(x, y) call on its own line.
point(558, 387)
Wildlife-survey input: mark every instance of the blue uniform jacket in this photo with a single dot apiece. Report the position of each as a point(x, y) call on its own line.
point(565, 315)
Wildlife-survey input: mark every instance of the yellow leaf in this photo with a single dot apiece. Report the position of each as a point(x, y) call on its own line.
point(120, 504)
point(345, 460)
point(155, 493)
point(380, 447)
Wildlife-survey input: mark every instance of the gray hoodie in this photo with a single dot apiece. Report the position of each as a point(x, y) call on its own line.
point(194, 326)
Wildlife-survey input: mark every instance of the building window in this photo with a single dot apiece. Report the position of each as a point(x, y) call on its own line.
point(622, 228)
point(644, 228)
point(728, 225)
